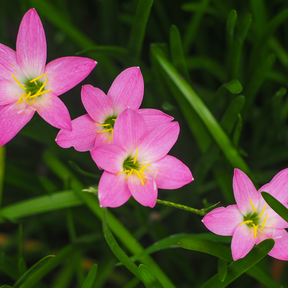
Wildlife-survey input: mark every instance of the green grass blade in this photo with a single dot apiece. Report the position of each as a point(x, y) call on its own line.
point(148, 278)
point(234, 86)
point(81, 171)
point(222, 269)
point(230, 27)
point(40, 205)
point(2, 169)
point(277, 206)
point(7, 266)
point(32, 270)
point(138, 29)
point(239, 267)
point(203, 112)
point(237, 131)
point(116, 249)
point(91, 277)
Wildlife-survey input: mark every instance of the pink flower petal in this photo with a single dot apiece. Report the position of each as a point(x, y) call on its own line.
point(273, 219)
point(244, 190)
point(171, 173)
point(280, 249)
point(9, 64)
point(127, 90)
point(145, 194)
point(9, 92)
point(154, 117)
point(96, 103)
point(12, 119)
point(103, 138)
point(278, 186)
point(66, 72)
point(128, 129)
point(113, 190)
point(223, 221)
point(53, 111)
point(242, 241)
point(82, 137)
point(31, 45)
point(109, 157)
point(156, 144)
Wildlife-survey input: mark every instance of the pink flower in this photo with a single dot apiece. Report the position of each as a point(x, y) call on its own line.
point(251, 220)
point(96, 127)
point(137, 163)
point(27, 85)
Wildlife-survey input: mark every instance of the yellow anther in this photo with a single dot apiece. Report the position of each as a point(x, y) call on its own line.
point(255, 230)
point(107, 130)
point(135, 158)
point(247, 221)
point(102, 125)
point(21, 98)
point(28, 96)
point(253, 206)
point(114, 119)
point(33, 80)
point(125, 171)
point(263, 210)
point(264, 221)
point(142, 170)
point(138, 174)
point(18, 82)
point(39, 94)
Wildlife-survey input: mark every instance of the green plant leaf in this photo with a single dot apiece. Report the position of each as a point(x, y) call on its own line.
point(91, 277)
point(81, 171)
point(237, 131)
point(206, 116)
point(148, 278)
point(277, 206)
point(8, 267)
point(6, 286)
point(116, 249)
point(222, 269)
point(240, 266)
point(139, 28)
point(230, 26)
point(234, 86)
point(32, 271)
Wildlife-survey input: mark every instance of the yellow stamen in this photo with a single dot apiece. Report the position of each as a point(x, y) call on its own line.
point(142, 170)
point(247, 221)
point(138, 174)
point(102, 125)
point(264, 221)
point(263, 210)
point(131, 171)
point(28, 96)
point(33, 80)
point(107, 130)
point(39, 94)
point(18, 82)
point(21, 98)
point(113, 119)
point(255, 229)
point(135, 158)
point(253, 206)
point(125, 171)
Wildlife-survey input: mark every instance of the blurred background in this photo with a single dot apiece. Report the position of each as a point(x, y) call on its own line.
point(234, 56)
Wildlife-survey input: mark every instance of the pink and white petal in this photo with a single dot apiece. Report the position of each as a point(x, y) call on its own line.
point(9, 65)
point(278, 186)
point(273, 219)
point(223, 221)
point(109, 157)
point(171, 173)
point(145, 194)
point(96, 103)
point(10, 92)
point(31, 48)
point(280, 249)
point(113, 190)
point(129, 128)
point(244, 191)
point(53, 111)
point(12, 119)
point(242, 241)
point(103, 138)
point(127, 90)
point(82, 137)
point(156, 144)
point(154, 117)
point(66, 72)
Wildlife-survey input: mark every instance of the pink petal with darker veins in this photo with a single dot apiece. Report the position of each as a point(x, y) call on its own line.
point(66, 72)
point(113, 190)
point(12, 119)
point(127, 90)
point(280, 249)
point(242, 241)
point(223, 221)
point(31, 46)
point(171, 173)
point(82, 137)
point(10, 92)
point(53, 111)
point(96, 103)
point(244, 190)
point(145, 194)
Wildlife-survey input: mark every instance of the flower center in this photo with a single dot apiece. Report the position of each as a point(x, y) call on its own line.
point(131, 166)
point(253, 219)
point(33, 89)
point(108, 125)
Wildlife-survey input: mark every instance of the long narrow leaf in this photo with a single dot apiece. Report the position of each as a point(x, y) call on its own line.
point(91, 277)
point(148, 278)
